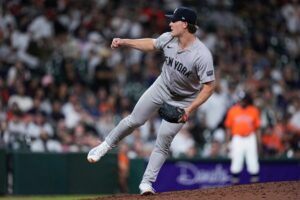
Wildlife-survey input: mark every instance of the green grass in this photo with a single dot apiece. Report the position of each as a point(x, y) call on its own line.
point(69, 197)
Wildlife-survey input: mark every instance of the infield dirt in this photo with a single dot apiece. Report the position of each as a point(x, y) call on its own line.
point(260, 191)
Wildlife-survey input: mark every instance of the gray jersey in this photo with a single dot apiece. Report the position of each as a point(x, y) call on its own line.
point(184, 71)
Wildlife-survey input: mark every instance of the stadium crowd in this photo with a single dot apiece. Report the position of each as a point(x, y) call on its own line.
point(62, 89)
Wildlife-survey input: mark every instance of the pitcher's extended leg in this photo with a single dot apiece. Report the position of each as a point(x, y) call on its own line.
point(145, 107)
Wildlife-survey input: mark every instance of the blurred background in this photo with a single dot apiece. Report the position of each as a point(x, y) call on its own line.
point(62, 89)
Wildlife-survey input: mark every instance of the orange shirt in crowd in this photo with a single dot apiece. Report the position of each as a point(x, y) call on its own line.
point(242, 121)
point(272, 141)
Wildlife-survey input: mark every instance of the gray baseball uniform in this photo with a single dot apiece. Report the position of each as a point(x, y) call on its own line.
point(179, 83)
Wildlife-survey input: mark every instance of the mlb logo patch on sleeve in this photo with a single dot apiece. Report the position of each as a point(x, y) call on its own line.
point(210, 73)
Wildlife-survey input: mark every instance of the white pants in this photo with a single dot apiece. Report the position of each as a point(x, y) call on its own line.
point(244, 148)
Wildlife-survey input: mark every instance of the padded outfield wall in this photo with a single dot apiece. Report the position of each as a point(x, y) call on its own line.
point(50, 173)
point(3, 172)
point(53, 173)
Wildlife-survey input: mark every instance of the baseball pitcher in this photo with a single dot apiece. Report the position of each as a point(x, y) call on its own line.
point(187, 80)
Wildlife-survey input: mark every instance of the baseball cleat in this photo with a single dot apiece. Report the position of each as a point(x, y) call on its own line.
point(146, 189)
point(97, 152)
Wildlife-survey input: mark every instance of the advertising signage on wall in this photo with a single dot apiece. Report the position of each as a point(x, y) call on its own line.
point(190, 174)
point(183, 175)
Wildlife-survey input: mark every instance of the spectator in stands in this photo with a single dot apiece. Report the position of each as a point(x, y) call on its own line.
point(84, 138)
point(91, 106)
point(183, 144)
point(72, 111)
point(272, 143)
point(20, 98)
point(216, 146)
point(41, 133)
point(64, 136)
point(214, 109)
point(105, 124)
point(56, 113)
point(14, 135)
point(17, 73)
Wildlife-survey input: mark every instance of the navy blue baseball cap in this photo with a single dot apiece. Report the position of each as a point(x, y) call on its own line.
point(183, 14)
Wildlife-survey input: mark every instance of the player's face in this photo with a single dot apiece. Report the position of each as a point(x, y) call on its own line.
point(177, 28)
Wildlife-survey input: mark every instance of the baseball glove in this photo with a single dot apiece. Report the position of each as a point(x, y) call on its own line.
point(171, 113)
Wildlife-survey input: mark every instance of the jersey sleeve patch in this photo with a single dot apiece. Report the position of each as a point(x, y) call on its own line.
point(210, 73)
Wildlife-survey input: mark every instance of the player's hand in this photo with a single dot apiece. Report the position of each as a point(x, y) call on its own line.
point(184, 117)
point(116, 43)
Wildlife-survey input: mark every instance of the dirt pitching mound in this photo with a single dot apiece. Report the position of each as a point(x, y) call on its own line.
point(264, 191)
